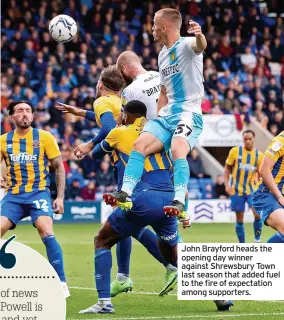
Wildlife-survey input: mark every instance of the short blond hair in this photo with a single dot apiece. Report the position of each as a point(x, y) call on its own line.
point(171, 15)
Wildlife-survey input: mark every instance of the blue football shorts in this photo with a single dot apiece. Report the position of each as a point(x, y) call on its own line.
point(188, 125)
point(147, 210)
point(264, 203)
point(19, 206)
point(238, 202)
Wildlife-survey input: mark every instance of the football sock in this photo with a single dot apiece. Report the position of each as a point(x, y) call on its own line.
point(276, 238)
point(123, 251)
point(240, 231)
point(105, 301)
point(55, 256)
point(257, 225)
point(170, 267)
point(133, 172)
point(149, 240)
point(181, 178)
point(122, 276)
point(103, 264)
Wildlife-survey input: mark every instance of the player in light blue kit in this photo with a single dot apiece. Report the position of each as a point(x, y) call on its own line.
point(180, 117)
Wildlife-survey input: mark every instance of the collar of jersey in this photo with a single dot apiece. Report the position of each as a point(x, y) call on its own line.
point(23, 137)
point(141, 74)
point(176, 43)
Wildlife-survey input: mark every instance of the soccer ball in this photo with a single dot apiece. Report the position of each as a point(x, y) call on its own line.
point(63, 28)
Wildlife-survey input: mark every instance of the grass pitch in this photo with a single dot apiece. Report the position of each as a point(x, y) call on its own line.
point(147, 274)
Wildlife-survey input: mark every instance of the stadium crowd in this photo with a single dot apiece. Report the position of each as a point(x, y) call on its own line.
point(243, 67)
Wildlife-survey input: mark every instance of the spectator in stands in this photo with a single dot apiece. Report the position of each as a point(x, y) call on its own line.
point(248, 59)
point(230, 102)
point(73, 191)
point(195, 165)
point(104, 178)
point(76, 173)
point(207, 192)
point(89, 192)
point(219, 188)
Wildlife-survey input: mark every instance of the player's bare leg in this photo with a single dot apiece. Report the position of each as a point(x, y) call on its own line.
point(180, 149)
point(6, 225)
point(145, 145)
point(44, 225)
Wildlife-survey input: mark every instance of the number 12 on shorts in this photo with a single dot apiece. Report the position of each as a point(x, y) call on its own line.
point(41, 204)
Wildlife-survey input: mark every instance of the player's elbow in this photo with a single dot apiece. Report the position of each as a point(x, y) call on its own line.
point(140, 146)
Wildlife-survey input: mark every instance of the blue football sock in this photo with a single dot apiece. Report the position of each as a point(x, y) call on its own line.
point(103, 264)
point(55, 256)
point(181, 178)
point(133, 172)
point(123, 251)
point(149, 240)
point(257, 225)
point(240, 231)
point(276, 238)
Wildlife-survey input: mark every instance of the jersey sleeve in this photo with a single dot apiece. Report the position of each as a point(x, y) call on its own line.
point(113, 137)
point(232, 156)
point(51, 147)
point(189, 41)
point(275, 149)
point(101, 106)
point(127, 95)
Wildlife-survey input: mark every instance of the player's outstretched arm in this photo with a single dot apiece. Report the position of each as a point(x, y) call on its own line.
point(265, 172)
point(200, 42)
point(57, 164)
point(66, 108)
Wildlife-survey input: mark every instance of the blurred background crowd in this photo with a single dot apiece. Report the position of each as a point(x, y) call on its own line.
point(243, 69)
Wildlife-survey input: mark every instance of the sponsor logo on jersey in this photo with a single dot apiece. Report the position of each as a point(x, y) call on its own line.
point(276, 146)
point(152, 77)
point(22, 157)
point(172, 69)
point(246, 167)
point(271, 152)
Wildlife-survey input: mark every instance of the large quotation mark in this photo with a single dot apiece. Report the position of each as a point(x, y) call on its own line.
point(183, 128)
point(7, 260)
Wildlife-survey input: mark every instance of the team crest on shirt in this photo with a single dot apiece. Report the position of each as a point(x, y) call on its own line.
point(36, 144)
point(173, 56)
point(276, 146)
